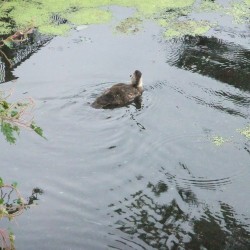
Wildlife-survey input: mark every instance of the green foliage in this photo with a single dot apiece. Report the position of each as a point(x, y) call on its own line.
point(1, 182)
point(14, 184)
point(16, 115)
point(37, 129)
point(9, 131)
point(12, 204)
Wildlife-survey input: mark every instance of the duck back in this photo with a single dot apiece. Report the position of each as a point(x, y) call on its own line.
point(118, 95)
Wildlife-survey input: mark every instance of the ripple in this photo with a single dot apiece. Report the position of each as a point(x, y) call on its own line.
point(216, 58)
point(207, 170)
point(202, 182)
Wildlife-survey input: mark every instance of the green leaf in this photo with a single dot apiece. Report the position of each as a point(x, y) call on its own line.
point(4, 104)
point(1, 182)
point(14, 184)
point(8, 131)
point(1, 201)
point(37, 129)
point(13, 113)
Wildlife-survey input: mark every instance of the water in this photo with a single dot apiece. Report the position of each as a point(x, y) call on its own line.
point(138, 177)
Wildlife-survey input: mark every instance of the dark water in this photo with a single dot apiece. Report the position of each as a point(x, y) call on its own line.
point(144, 177)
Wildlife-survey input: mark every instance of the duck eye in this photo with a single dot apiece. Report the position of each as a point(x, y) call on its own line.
point(130, 75)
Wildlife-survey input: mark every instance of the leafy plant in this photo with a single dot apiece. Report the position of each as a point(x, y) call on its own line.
point(14, 116)
point(13, 204)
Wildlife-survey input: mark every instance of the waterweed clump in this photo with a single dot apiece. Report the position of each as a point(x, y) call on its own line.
point(16, 115)
point(218, 140)
point(245, 131)
point(43, 14)
point(129, 25)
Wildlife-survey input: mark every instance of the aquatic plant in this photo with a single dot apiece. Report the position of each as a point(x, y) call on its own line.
point(19, 14)
point(218, 140)
point(12, 204)
point(189, 27)
point(43, 14)
point(16, 115)
point(209, 6)
point(129, 25)
point(245, 131)
point(240, 12)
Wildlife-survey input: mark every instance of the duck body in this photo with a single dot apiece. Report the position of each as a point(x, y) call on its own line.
point(120, 94)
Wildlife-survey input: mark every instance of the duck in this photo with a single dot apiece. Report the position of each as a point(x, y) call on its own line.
point(121, 94)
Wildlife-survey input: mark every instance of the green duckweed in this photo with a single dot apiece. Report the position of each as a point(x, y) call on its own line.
point(190, 27)
point(245, 131)
point(129, 25)
point(167, 13)
point(218, 140)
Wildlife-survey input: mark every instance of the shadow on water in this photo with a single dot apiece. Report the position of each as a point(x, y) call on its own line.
point(218, 59)
point(19, 54)
point(184, 222)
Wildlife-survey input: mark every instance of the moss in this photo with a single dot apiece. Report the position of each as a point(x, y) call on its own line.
point(181, 28)
point(129, 25)
point(245, 131)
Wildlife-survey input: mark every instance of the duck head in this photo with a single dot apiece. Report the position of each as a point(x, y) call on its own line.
point(136, 79)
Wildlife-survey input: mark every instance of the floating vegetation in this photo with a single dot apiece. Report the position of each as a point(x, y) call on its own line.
point(39, 13)
point(129, 25)
point(177, 25)
point(151, 7)
point(245, 131)
point(89, 16)
point(52, 29)
point(218, 140)
point(208, 6)
point(20, 14)
point(14, 116)
point(189, 27)
point(240, 12)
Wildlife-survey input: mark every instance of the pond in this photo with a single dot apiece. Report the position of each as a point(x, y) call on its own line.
point(171, 173)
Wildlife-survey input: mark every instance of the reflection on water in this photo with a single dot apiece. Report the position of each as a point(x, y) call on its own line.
point(147, 175)
point(184, 222)
point(224, 61)
point(12, 205)
point(19, 54)
point(213, 57)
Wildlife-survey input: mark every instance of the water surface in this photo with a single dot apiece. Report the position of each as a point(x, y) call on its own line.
point(147, 177)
